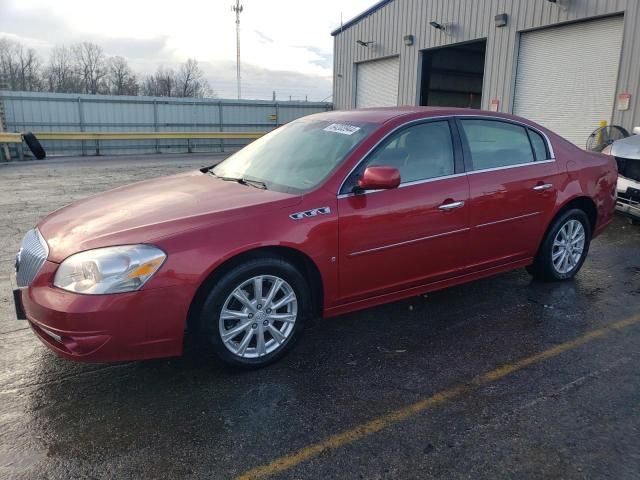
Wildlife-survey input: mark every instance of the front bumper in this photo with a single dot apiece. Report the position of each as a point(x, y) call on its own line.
point(106, 328)
point(628, 197)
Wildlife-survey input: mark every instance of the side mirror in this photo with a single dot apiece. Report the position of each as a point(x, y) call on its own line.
point(379, 178)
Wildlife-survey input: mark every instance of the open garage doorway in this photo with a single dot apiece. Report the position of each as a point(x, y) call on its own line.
point(452, 76)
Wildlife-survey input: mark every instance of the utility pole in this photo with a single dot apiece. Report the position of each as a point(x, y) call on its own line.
point(3, 86)
point(238, 9)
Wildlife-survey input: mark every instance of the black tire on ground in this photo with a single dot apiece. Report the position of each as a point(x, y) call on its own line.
point(209, 316)
point(34, 145)
point(543, 268)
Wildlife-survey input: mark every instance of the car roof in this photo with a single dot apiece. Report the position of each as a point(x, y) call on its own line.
point(381, 115)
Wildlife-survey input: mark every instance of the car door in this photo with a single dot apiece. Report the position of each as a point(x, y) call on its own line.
point(413, 234)
point(513, 182)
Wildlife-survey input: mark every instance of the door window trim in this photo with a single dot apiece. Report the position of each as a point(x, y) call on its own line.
point(460, 146)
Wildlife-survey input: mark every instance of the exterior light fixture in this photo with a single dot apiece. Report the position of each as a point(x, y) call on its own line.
point(408, 40)
point(362, 43)
point(501, 20)
point(436, 25)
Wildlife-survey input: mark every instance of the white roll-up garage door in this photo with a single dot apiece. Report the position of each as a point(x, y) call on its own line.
point(566, 78)
point(377, 83)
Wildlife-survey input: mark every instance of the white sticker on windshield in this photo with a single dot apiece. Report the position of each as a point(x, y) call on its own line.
point(342, 128)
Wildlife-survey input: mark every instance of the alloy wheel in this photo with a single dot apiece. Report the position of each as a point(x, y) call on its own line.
point(258, 316)
point(568, 246)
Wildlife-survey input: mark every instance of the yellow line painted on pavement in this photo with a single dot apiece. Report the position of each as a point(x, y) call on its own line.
point(348, 436)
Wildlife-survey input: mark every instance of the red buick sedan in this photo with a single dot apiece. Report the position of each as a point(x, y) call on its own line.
point(328, 214)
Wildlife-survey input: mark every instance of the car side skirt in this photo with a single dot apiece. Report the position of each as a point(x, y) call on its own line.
point(421, 289)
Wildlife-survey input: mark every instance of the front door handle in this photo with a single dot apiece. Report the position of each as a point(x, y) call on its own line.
point(543, 188)
point(451, 206)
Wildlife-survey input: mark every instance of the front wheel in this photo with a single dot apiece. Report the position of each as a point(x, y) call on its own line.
point(254, 314)
point(564, 248)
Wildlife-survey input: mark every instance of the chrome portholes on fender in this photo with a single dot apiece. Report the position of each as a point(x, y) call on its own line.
point(310, 213)
point(258, 316)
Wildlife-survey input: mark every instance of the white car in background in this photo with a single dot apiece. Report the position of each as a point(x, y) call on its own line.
point(627, 155)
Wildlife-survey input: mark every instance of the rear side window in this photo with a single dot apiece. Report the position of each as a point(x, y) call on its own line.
point(494, 144)
point(539, 146)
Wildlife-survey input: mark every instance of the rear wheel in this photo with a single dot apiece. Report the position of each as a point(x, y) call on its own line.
point(564, 248)
point(256, 312)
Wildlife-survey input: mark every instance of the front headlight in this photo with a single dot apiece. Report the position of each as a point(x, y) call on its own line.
point(109, 270)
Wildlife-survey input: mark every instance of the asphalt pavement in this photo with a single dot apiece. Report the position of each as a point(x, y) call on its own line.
point(499, 378)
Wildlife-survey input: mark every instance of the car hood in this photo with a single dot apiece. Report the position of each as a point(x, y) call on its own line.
point(627, 148)
point(147, 211)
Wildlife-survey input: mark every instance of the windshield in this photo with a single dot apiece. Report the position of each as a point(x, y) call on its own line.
point(296, 157)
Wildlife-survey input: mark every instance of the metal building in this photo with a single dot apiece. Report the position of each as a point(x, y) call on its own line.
point(567, 64)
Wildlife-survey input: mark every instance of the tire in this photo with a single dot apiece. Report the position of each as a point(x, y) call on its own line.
point(544, 267)
point(258, 321)
point(34, 145)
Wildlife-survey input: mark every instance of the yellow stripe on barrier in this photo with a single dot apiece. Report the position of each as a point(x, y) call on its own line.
point(6, 137)
point(147, 135)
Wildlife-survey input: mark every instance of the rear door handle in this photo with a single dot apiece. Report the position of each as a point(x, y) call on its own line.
point(543, 188)
point(451, 206)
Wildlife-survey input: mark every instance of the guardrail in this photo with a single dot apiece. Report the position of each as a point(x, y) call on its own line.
point(16, 138)
point(10, 137)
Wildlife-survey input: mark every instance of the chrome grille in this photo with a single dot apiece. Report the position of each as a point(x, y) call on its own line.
point(33, 253)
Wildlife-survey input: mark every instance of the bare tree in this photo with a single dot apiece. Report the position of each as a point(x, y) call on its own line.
point(30, 70)
point(163, 83)
point(149, 86)
point(167, 82)
point(120, 78)
point(84, 68)
point(61, 75)
point(91, 66)
point(191, 82)
point(8, 65)
point(19, 66)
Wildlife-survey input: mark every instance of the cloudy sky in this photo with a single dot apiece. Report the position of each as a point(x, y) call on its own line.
point(286, 44)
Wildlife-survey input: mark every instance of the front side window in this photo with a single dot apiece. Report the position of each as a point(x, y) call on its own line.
point(419, 152)
point(494, 144)
point(296, 157)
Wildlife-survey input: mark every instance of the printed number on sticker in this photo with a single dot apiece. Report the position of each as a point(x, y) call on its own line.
point(342, 128)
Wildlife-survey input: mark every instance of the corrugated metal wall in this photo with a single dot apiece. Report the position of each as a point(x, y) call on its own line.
point(52, 112)
point(473, 20)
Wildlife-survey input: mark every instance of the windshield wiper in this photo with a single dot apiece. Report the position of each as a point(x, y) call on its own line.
point(254, 183)
point(242, 181)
